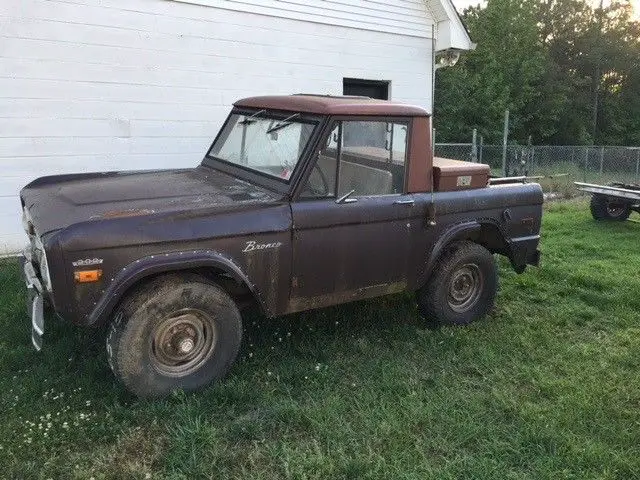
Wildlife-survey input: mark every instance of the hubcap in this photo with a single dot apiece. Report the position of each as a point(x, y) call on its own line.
point(183, 342)
point(465, 288)
point(615, 209)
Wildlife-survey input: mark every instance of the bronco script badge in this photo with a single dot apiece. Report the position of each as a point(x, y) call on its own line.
point(250, 246)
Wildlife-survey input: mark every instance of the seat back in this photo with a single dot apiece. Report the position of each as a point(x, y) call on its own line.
point(364, 180)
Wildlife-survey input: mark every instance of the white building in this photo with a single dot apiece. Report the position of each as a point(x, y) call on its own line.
point(90, 85)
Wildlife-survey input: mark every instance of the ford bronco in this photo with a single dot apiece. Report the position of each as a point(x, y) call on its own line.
point(301, 202)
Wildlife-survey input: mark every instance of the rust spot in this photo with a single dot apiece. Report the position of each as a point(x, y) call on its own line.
point(307, 303)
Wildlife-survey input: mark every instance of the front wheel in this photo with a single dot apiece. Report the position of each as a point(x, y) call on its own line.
point(463, 286)
point(176, 332)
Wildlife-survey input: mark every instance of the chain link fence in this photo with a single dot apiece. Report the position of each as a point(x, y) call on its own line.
point(553, 166)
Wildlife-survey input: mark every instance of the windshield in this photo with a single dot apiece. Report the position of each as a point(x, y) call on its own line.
point(269, 145)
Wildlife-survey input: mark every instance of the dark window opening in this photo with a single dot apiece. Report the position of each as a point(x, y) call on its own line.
point(366, 88)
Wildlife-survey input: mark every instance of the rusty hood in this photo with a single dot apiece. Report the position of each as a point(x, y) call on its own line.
point(56, 202)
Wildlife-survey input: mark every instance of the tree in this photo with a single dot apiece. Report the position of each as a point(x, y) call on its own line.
point(556, 64)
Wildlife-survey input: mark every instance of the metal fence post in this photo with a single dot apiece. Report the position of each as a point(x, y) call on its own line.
point(505, 135)
point(638, 165)
point(433, 142)
point(586, 162)
point(482, 145)
point(601, 159)
point(474, 146)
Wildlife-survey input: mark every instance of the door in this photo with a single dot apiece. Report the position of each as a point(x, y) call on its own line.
point(352, 220)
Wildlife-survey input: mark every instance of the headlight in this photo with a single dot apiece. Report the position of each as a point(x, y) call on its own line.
point(42, 261)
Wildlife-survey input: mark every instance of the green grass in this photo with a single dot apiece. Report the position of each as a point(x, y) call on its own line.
point(547, 387)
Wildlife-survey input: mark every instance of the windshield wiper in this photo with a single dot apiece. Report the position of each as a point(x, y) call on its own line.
point(248, 120)
point(284, 123)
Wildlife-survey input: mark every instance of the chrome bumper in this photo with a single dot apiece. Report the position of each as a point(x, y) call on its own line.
point(35, 302)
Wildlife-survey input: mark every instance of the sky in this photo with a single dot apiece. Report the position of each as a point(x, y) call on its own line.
point(462, 4)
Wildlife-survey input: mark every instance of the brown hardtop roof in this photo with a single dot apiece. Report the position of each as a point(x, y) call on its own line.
point(332, 105)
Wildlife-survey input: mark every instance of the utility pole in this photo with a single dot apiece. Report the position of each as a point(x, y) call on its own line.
point(596, 76)
point(474, 145)
point(505, 136)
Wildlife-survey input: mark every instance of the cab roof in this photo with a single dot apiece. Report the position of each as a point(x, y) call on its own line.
point(332, 105)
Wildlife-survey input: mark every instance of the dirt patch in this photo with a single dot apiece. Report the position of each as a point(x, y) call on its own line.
point(135, 454)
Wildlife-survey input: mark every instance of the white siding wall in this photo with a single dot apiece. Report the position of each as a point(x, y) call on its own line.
point(88, 85)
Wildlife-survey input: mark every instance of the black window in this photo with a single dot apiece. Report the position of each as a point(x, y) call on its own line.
point(366, 88)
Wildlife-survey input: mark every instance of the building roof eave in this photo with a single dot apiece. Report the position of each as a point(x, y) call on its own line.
point(451, 32)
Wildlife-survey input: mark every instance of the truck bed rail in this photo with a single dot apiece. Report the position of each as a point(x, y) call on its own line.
point(629, 192)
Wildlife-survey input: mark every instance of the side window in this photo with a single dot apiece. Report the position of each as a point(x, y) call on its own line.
point(322, 179)
point(373, 158)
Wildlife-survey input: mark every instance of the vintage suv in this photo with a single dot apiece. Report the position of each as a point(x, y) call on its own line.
point(301, 202)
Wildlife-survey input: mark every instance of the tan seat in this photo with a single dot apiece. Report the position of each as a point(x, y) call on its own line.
point(364, 180)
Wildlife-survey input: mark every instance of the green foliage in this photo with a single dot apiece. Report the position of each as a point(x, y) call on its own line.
point(547, 387)
point(548, 62)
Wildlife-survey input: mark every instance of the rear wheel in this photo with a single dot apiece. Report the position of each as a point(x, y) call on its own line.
point(605, 208)
point(463, 286)
point(176, 332)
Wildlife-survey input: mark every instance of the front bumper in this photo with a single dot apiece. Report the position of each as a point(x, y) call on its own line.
point(35, 302)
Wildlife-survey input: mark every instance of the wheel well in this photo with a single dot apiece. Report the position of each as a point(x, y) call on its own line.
point(487, 235)
point(491, 238)
point(235, 288)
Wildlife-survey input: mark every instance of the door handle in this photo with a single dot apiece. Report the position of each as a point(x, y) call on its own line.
point(404, 202)
point(345, 198)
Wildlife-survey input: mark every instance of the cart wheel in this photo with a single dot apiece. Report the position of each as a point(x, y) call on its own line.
point(605, 208)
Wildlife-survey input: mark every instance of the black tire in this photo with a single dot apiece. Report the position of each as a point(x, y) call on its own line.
point(604, 208)
point(462, 287)
point(175, 332)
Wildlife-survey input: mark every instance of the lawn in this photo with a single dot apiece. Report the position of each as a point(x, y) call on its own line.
point(547, 387)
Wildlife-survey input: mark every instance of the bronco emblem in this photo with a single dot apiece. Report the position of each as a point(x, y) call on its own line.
point(250, 246)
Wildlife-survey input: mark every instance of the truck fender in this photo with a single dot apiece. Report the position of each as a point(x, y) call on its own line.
point(461, 231)
point(165, 263)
